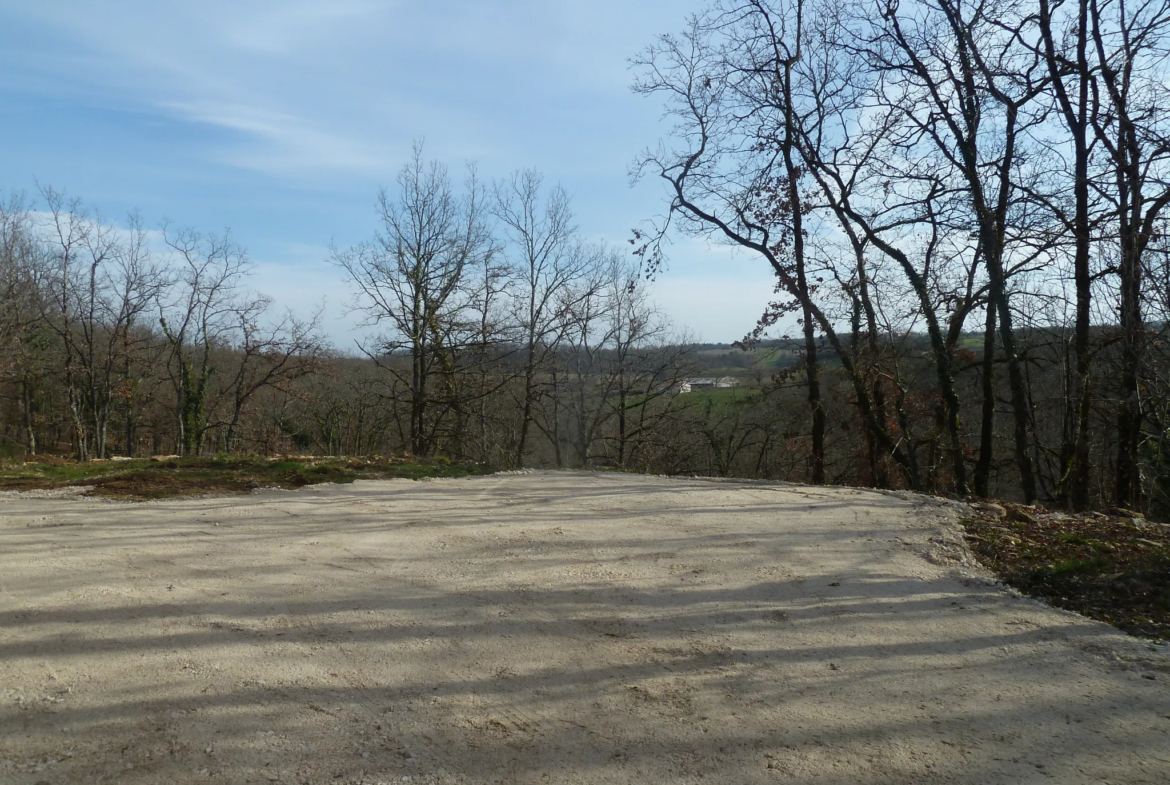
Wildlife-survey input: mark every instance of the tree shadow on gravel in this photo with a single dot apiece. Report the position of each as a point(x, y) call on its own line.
point(678, 651)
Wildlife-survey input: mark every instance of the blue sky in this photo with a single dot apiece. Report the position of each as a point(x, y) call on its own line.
point(280, 120)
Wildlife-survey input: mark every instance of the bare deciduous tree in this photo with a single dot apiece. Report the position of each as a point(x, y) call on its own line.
point(545, 261)
point(198, 317)
point(412, 278)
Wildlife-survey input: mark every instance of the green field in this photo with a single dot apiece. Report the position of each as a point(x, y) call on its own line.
point(721, 397)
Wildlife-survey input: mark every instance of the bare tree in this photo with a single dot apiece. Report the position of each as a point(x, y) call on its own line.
point(19, 306)
point(268, 356)
point(575, 408)
point(199, 317)
point(545, 262)
point(1065, 51)
point(412, 279)
point(644, 369)
point(723, 82)
point(1130, 58)
point(103, 280)
point(490, 344)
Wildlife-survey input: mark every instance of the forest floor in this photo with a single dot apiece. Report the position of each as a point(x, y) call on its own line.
point(172, 476)
point(548, 627)
point(1112, 567)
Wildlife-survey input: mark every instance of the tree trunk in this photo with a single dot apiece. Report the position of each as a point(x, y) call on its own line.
point(1018, 392)
point(1074, 487)
point(29, 424)
point(1127, 487)
point(621, 456)
point(129, 402)
point(529, 400)
point(812, 370)
point(418, 402)
point(879, 477)
point(987, 422)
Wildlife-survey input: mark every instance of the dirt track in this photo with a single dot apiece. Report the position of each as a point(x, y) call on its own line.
point(567, 628)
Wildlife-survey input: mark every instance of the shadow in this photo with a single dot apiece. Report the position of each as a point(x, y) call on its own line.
point(559, 627)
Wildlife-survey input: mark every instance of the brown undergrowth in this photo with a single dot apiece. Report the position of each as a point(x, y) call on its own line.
point(1110, 567)
point(172, 477)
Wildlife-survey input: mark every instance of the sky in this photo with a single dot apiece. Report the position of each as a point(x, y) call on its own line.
point(281, 119)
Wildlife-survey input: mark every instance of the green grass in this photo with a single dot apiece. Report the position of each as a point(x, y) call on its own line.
point(721, 397)
point(1070, 567)
point(972, 342)
point(157, 479)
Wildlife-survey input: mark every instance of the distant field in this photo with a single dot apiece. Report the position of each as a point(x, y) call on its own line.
point(729, 361)
point(722, 396)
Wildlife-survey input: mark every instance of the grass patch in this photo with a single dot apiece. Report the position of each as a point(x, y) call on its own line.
point(1112, 568)
point(722, 398)
point(167, 478)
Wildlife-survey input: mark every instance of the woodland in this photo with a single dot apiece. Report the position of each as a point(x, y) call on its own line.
point(964, 205)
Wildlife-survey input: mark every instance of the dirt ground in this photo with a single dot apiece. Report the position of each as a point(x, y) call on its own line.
point(548, 627)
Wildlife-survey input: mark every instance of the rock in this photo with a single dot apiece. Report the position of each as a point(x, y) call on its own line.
point(1019, 515)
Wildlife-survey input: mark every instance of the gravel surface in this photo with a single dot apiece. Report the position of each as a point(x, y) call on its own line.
point(548, 627)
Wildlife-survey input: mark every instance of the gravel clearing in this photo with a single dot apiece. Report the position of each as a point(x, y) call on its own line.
point(548, 627)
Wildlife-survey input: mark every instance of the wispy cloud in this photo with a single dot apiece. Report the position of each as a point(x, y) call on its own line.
point(280, 117)
point(280, 142)
point(328, 83)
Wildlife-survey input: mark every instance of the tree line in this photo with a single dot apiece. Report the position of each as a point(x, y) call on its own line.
point(938, 169)
point(964, 206)
point(120, 340)
point(498, 335)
